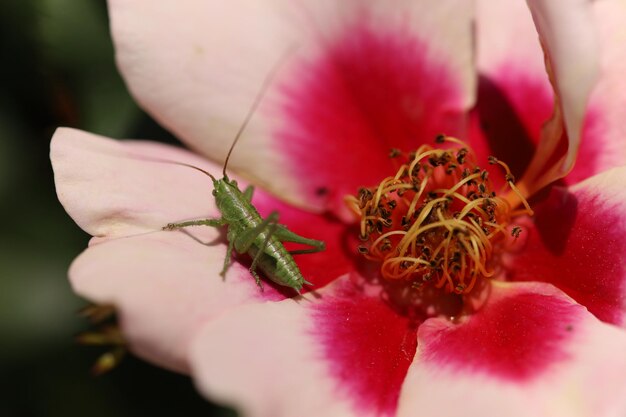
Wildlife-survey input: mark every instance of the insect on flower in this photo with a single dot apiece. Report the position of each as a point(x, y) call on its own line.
point(248, 232)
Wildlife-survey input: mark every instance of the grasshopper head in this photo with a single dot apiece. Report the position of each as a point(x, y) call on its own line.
point(223, 186)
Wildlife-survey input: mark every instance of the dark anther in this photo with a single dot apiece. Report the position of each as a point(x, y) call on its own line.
point(394, 153)
point(484, 175)
point(392, 204)
point(492, 160)
point(465, 173)
point(509, 178)
point(440, 138)
point(362, 249)
point(416, 169)
point(460, 156)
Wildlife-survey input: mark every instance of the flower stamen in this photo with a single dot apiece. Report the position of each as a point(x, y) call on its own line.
point(437, 221)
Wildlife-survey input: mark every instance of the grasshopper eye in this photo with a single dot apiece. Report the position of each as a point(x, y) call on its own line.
point(214, 192)
point(234, 184)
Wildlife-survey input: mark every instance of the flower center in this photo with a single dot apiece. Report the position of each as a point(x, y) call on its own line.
point(438, 221)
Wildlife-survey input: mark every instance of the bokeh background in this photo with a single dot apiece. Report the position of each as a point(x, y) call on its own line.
point(57, 69)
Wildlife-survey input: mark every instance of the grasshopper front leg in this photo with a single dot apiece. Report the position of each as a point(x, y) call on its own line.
point(207, 222)
point(201, 222)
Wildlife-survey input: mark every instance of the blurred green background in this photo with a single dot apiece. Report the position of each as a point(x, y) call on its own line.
point(58, 69)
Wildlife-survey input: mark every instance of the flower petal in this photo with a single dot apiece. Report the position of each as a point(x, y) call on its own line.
point(531, 351)
point(164, 286)
point(111, 188)
point(200, 75)
point(604, 135)
point(569, 38)
point(515, 97)
point(339, 352)
point(578, 242)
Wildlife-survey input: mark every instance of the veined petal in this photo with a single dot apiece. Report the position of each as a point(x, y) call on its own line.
point(578, 242)
point(164, 286)
point(569, 38)
point(531, 351)
point(340, 352)
point(351, 59)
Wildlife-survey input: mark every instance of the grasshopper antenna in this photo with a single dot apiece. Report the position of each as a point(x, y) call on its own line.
point(182, 164)
point(257, 100)
point(191, 166)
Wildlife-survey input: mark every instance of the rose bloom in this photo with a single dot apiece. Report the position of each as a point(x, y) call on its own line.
point(481, 322)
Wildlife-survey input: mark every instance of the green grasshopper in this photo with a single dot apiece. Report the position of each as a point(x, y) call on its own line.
point(248, 232)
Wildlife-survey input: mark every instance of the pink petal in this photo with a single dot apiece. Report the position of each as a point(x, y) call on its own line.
point(340, 352)
point(604, 135)
point(569, 37)
point(578, 243)
point(200, 75)
point(531, 351)
point(515, 97)
point(110, 191)
point(164, 285)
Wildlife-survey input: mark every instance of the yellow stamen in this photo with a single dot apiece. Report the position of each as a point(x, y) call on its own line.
point(437, 219)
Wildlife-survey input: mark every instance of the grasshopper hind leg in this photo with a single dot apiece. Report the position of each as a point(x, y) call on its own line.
point(244, 241)
point(285, 235)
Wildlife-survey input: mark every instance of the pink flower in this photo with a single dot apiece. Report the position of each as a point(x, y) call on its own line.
point(366, 77)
